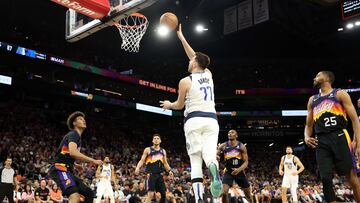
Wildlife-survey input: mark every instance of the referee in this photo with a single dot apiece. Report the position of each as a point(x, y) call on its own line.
point(7, 181)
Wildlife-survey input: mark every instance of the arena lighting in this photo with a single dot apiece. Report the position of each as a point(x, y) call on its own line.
point(81, 94)
point(300, 143)
point(340, 29)
point(200, 28)
point(5, 80)
point(357, 23)
point(163, 31)
point(349, 26)
point(37, 76)
point(353, 90)
point(153, 109)
point(60, 81)
point(271, 144)
point(108, 91)
point(294, 112)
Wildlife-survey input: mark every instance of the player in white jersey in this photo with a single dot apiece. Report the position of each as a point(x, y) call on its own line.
point(105, 173)
point(196, 93)
point(289, 169)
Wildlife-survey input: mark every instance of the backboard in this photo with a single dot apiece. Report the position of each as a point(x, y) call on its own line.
point(79, 26)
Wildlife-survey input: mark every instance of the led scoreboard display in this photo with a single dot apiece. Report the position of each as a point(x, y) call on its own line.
point(22, 51)
point(350, 8)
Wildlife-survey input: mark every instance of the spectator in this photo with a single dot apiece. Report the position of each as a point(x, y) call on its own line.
point(179, 194)
point(17, 193)
point(277, 195)
point(119, 195)
point(36, 185)
point(30, 169)
point(141, 192)
point(235, 193)
point(340, 192)
point(266, 195)
point(56, 194)
point(42, 194)
point(28, 195)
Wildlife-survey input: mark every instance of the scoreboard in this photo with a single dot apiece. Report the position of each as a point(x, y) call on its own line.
point(350, 8)
point(22, 51)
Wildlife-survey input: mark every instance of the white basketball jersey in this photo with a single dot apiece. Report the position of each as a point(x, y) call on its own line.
point(289, 165)
point(200, 96)
point(106, 172)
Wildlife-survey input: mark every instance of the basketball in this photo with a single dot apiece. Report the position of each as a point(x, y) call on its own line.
point(170, 20)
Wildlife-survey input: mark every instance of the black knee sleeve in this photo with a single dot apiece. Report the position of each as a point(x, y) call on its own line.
point(328, 188)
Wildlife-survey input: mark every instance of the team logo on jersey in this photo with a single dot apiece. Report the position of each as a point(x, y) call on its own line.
point(323, 107)
point(68, 182)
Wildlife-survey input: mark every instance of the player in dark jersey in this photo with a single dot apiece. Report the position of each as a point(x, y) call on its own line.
point(156, 163)
point(236, 161)
point(328, 114)
point(61, 169)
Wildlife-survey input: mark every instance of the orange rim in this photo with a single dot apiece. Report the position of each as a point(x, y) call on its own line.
point(139, 15)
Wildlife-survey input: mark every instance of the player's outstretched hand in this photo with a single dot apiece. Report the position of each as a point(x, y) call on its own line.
point(281, 173)
point(166, 104)
point(97, 162)
point(311, 141)
point(179, 33)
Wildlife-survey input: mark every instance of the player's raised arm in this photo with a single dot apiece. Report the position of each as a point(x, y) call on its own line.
point(191, 54)
point(188, 49)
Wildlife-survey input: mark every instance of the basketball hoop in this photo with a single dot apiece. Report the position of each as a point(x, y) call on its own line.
point(132, 28)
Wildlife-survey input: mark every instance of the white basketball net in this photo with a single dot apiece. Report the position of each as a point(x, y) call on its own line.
point(132, 29)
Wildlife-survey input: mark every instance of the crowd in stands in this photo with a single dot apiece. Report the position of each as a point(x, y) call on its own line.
point(30, 136)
